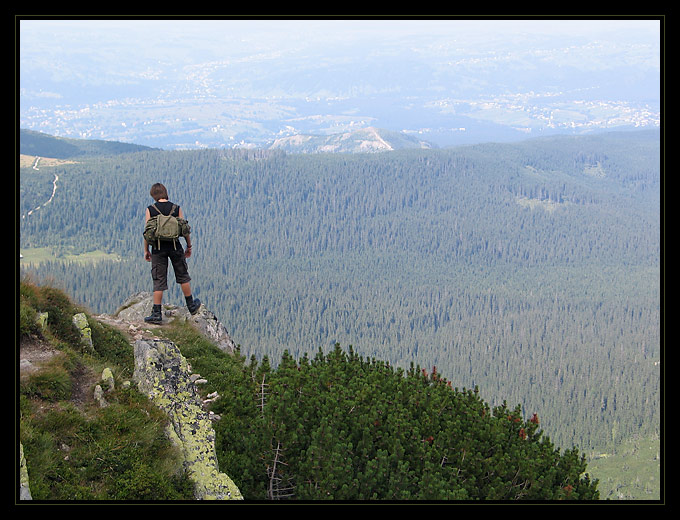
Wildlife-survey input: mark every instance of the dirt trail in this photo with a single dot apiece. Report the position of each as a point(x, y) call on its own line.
point(54, 190)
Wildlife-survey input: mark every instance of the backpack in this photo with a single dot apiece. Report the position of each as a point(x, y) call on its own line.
point(165, 227)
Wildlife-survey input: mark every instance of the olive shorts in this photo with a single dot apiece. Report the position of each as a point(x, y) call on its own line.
point(159, 268)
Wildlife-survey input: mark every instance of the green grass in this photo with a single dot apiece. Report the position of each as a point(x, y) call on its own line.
point(38, 255)
point(633, 472)
point(74, 449)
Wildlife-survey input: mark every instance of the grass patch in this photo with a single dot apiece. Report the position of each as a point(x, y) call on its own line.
point(632, 473)
point(115, 453)
point(29, 161)
point(38, 255)
point(74, 449)
point(547, 205)
point(52, 383)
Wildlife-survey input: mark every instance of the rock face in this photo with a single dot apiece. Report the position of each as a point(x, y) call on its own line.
point(140, 305)
point(163, 374)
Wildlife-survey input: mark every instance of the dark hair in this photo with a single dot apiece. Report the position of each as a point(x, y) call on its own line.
point(158, 192)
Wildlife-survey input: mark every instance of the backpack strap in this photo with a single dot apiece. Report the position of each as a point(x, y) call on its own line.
point(174, 208)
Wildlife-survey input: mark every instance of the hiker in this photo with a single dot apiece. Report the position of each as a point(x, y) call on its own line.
point(163, 249)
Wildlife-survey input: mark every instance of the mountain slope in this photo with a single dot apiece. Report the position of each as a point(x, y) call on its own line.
point(44, 145)
point(365, 140)
point(337, 426)
point(86, 434)
point(172, 457)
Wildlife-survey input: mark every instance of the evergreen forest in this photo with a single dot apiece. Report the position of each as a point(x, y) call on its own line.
point(530, 271)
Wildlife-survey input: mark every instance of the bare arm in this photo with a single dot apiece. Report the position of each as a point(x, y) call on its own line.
point(187, 253)
point(147, 254)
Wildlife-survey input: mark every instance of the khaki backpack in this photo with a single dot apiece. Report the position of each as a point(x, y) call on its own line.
point(165, 228)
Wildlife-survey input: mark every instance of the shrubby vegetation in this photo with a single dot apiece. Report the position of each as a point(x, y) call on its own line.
point(340, 427)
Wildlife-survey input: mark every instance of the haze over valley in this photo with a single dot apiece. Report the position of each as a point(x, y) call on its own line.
point(177, 84)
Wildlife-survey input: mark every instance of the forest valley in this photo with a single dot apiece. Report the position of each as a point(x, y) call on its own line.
point(528, 271)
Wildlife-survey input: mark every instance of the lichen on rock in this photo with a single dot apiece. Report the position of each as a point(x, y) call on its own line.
point(108, 380)
point(81, 323)
point(24, 488)
point(162, 373)
point(99, 397)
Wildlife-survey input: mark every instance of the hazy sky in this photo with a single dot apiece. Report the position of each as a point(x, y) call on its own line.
point(331, 29)
point(133, 42)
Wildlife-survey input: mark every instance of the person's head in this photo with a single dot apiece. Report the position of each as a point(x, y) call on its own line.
point(158, 192)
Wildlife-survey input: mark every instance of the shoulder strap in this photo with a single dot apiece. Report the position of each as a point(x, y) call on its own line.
point(173, 210)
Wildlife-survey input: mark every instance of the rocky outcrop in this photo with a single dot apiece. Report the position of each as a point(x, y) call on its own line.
point(163, 374)
point(139, 305)
point(364, 140)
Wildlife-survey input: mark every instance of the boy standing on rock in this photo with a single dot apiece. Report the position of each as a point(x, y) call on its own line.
point(164, 250)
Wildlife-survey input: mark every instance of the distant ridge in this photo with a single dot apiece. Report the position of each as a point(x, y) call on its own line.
point(44, 145)
point(365, 140)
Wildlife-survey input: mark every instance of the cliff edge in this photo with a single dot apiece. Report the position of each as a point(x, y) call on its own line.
point(164, 376)
point(161, 373)
point(132, 312)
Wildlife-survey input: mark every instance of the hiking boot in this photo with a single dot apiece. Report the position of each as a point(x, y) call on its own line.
point(156, 316)
point(194, 305)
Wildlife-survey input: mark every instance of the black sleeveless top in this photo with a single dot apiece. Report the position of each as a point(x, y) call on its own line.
point(165, 208)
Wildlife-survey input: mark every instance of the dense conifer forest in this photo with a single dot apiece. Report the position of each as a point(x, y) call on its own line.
point(528, 270)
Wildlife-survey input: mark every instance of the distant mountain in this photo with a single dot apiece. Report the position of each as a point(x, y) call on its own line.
point(44, 145)
point(365, 140)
